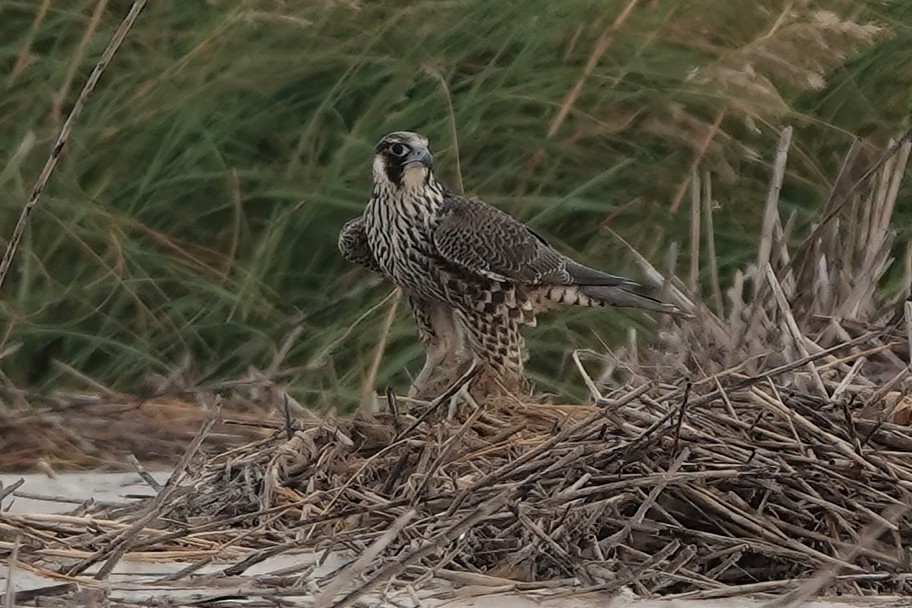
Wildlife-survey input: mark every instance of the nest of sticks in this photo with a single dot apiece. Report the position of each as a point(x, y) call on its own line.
point(762, 450)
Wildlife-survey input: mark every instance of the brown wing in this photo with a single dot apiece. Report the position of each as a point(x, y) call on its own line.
point(483, 240)
point(354, 246)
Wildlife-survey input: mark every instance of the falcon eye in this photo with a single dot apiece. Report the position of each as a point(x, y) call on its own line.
point(398, 150)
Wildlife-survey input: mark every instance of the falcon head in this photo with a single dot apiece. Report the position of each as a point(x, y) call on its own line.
point(402, 160)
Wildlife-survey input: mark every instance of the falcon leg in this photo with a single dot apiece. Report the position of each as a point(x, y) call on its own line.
point(463, 395)
point(433, 358)
point(442, 338)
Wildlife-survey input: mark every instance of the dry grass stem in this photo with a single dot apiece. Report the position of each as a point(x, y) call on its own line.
point(64, 136)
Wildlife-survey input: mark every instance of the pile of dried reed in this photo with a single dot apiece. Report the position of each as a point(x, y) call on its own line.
point(744, 453)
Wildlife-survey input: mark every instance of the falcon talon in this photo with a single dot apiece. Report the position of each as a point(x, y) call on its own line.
point(469, 270)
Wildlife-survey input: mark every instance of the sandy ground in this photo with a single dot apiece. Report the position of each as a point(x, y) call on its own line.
point(139, 581)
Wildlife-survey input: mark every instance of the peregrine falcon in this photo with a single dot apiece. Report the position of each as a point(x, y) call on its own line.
point(467, 268)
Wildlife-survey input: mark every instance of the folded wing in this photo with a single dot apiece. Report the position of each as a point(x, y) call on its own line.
point(483, 240)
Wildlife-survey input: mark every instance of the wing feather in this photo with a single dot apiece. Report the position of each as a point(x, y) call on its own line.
point(354, 246)
point(483, 240)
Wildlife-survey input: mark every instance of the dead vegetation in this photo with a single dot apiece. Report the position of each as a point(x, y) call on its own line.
point(73, 432)
point(761, 446)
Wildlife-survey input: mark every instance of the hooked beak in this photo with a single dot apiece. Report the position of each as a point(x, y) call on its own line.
point(419, 156)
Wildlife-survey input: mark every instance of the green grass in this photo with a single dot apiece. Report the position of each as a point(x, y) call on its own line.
point(194, 215)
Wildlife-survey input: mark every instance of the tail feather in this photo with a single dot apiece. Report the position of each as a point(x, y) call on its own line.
point(583, 275)
point(559, 296)
point(620, 296)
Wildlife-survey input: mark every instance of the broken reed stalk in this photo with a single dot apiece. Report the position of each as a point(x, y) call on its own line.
point(771, 209)
point(9, 598)
point(810, 588)
point(711, 244)
point(840, 197)
point(693, 283)
point(357, 567)
point(64, 135)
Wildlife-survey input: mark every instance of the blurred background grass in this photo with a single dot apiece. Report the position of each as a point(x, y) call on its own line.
point(190, 230)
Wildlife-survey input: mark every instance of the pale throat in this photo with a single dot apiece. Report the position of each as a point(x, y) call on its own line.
point(414, 178)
